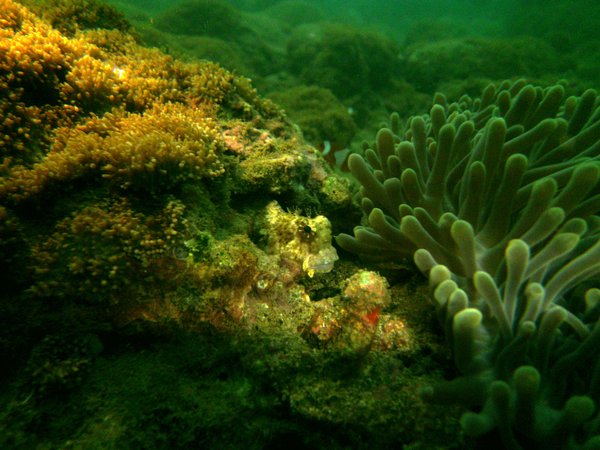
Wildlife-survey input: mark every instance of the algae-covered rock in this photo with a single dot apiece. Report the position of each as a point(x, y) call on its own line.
point(427, 64)
point(292, 13)
point(227, 53)
point(345, 60)
point(68, 16)
point(320, 115)
point(217, 31)
point(202, 18)
point(364, 295)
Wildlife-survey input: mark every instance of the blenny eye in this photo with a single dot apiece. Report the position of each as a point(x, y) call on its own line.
point(307, 229)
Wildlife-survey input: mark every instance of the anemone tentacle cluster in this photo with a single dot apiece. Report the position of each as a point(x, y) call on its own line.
point(497, 200)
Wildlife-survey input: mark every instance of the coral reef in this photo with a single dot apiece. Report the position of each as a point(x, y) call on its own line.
point(37, 92)
point(48, 80)
point(153, 152)
point(96, 253)
point(360, 67)
point(228, 54)
point(497, 199)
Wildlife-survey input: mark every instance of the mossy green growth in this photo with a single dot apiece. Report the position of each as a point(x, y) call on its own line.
point(428, 64)
point(157, 387)
point(58, 365)
point(69, 16)
point(198, 247)
point(225, 52)
point(349, 62)
point(292, 13)
point(202, 18)
point(320, 115)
